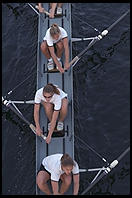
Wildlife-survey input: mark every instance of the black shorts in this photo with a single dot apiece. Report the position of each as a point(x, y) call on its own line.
point(42, 168)
point(54, 45)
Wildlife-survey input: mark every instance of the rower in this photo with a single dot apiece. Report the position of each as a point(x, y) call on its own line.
point(54, 101)
point(56, 39)
point(58, 167)
point(53, 7)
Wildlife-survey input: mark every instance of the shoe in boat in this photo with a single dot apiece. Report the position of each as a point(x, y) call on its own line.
point(60, 126)
point(59, 11)
point(50, 65)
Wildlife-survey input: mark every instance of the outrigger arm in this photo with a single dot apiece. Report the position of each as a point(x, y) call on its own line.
point(107, 170)
point(95, 39)
point(21, 102)
point(20, 115)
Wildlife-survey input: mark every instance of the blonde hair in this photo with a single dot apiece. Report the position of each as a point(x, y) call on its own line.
point(50, 88)
point(54, 29)
point(66, 160)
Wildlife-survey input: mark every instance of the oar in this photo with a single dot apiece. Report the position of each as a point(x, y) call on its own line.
point(33, 8)
point(81, 39)
point(37, 8)
point(43, 11)
point(21, 83)
point(21, 102)
point(97, 38)
point(89, 147)
point(37, 12)
point(107, 170)
point(20, 115)
point(77, 58)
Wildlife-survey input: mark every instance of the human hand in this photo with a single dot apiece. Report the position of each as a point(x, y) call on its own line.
point(51, 15)
point(60, 68)
point(48, 139)
point(41, 9)
point(66, 66)
point(39, 131)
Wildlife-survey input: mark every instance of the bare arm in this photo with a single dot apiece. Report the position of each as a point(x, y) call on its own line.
point(36, 119)
point(41, 9)
point(52, 126)
point(55, 187)
point(39, 4)
point(53, 55)
point(66, 47)
point(76, 184)
point(52, 11)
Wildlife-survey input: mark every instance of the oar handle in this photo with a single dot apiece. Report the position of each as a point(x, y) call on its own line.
point(74, 60)
point(43, 11)
point(34, 130)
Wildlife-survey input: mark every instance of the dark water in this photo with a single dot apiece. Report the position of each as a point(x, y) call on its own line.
point(101, 95)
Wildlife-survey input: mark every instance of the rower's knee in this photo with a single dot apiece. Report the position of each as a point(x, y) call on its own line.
point(64, 106)
point(43, 46)
point(67, 181)
point(48, 108)
point(59, 46)
point(40, 182)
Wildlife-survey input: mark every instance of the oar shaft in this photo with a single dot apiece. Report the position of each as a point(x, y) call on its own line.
point(76, 58)
point(95, 182)
point(89, 147)
point(123, 154)
point(18, 85)
point(117, 21)
point(33, 9)
point(84, 51)
point(99, 37)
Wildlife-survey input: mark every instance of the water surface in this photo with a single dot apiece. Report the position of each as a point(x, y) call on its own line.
point(101, 95)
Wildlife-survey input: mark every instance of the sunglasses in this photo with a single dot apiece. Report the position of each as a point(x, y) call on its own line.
point(48, 96)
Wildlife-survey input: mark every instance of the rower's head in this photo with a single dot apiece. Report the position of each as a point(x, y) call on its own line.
point(49, 90)
point(67, 164)
point(54, 31)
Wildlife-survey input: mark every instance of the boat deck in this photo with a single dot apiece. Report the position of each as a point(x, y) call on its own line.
point(64, 81)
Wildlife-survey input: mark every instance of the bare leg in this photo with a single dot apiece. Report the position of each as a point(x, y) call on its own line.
point(44, 48)
point(60, 5)
point(60, 48)
point(48, 109)
point(64, 109)
point(41, 180)
point(66, 181)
